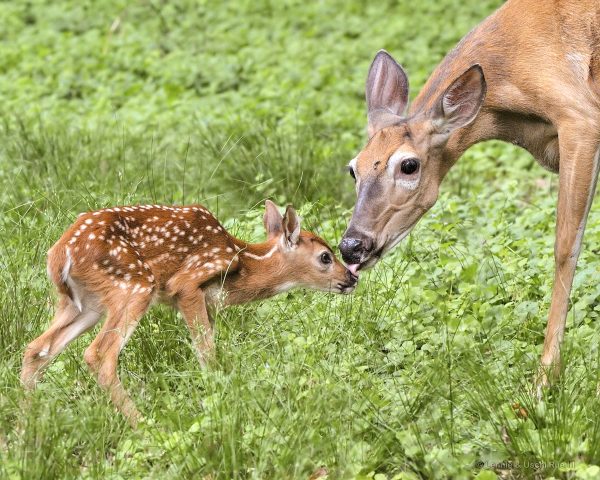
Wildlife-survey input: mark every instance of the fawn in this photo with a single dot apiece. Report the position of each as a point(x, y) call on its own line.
point(119, 260)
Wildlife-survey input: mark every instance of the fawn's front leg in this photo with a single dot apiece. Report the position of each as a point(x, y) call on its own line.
point(192, 305)
point(577, 183)
point(190, 300)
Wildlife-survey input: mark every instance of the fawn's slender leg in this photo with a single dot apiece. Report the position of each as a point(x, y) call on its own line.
point(102, 355)
point(577, 182)
point(192, 305)
point(68, 324)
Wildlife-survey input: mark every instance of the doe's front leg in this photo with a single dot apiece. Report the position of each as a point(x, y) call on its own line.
point(577, 182)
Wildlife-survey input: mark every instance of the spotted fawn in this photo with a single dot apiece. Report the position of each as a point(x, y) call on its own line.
point(118, 261)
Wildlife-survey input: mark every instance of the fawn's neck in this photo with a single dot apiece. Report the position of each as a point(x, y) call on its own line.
point(261, 273)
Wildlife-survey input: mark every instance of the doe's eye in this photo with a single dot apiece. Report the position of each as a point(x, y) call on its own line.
point(325, 258)
point(351, 172)
point(409, 166)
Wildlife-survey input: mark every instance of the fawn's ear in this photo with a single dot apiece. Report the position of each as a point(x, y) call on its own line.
point(291, 227)
point(272, 220)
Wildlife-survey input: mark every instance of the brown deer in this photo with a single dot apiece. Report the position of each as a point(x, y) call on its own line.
point(541, 91)
point(119, 260)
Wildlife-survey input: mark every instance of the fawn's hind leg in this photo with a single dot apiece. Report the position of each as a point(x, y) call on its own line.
point(68, 324)
point(103, 353)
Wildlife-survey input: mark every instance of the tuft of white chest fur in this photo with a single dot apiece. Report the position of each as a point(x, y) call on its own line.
point(215, 295)
point(284, 287)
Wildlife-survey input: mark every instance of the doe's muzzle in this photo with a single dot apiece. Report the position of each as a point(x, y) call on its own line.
point(356, 247)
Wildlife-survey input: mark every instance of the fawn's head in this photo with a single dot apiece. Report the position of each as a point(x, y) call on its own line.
point(399, 171)
point(304, 259)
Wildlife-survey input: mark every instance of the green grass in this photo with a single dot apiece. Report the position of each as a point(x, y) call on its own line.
point(413, 376)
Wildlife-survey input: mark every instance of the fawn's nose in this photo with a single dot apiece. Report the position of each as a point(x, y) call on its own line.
point(355, 248)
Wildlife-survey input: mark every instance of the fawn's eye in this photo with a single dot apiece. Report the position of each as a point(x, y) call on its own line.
point(409, 166)
point(325, 258)
point(351, 172)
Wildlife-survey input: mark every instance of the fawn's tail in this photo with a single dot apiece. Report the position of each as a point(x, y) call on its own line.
point(58, 267)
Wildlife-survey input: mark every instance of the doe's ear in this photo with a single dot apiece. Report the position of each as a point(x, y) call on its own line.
point(272, 220)
point(291, 227)
point(460, 103)
point(386, 92)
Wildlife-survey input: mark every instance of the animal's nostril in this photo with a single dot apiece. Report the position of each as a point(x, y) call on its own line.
point(355, 248)
point(358, 246)
point(350, 245)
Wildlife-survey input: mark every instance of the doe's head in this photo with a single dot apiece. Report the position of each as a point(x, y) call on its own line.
point(398, 172)
point(304, 258)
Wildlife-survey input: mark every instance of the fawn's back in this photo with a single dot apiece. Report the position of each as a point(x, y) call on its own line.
point(116, 260)
point(138, 248)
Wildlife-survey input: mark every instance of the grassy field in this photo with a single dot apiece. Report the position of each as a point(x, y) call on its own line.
point(416, 375)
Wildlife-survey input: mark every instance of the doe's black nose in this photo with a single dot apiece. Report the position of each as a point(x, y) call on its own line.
point(355, 248)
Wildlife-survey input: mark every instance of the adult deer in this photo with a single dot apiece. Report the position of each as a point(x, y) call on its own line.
point(530, 75)
point(119, 260)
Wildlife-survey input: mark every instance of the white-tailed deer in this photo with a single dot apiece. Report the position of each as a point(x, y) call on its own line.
point(541, 91)
point(119, 260)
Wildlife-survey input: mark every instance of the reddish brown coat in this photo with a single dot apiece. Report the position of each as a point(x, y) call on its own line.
point(119, 260)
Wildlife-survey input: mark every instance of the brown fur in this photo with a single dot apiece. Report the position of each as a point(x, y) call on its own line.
point(541, 68)
point(119, 260)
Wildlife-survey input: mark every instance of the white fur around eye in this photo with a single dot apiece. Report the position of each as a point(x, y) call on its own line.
point(407, 182)
point(352, 164)
point(409, 185)
point(352, 167)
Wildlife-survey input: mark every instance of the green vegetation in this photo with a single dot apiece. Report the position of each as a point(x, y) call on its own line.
point(416, 375)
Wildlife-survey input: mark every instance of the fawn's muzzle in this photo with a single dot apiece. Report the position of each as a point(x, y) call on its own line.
point(350, 283)
point(356, 248)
